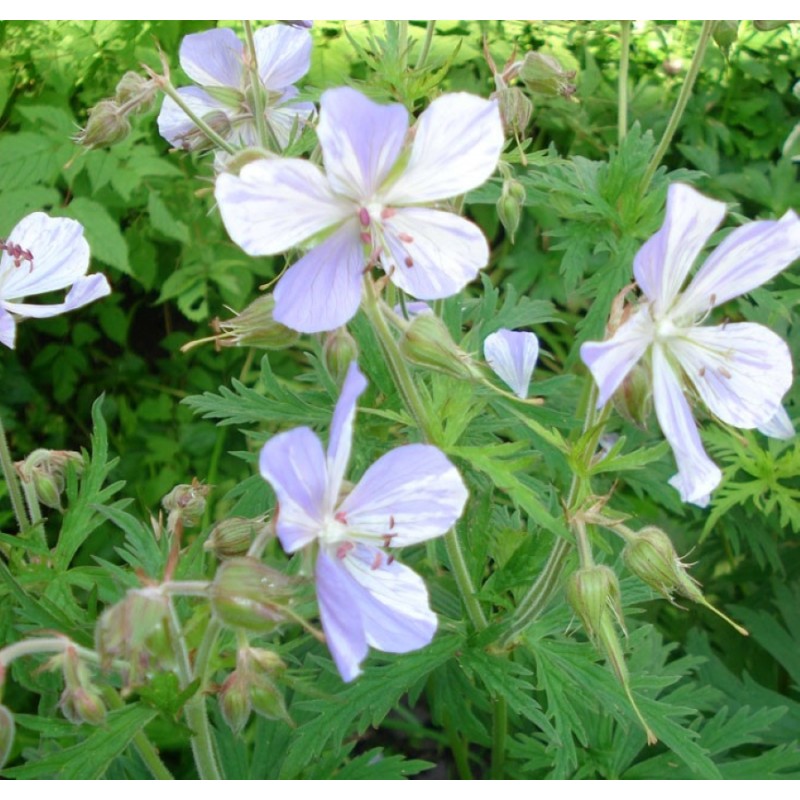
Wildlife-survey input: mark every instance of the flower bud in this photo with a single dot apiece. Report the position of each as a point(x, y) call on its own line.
point(197, 139)
point(427, 342)
point(7, 728)
point(543, 74)
point(81, 705)
point(250, 595)
point(255, 327)
point(135, 631)
point(267, 699)
point(137, 90)
point(107, 124)
point(725, 34)
point(45, 469)
point(232, 537)
point(593, 592)
point(186, 502)
point(634, 398)
point(509, 205)
point(515, 109)
point(339, 351)
point(234, 700)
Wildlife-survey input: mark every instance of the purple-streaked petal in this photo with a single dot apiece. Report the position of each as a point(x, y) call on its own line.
point(367, 599)
point(339, 598)
point(413, 309)
point(84, 291)
point(457, 144)
point(8, 329)
point(697, 474)
point(746, 258)
point(322, 291)
point(512, 355)
point(60, 256)
point(284, 55)
point(664, 261)
point(610, 361)
point(175, 126)
point(432, 254)
point(779, 426)
point(741, 370)
point(294, 465)
point(411, 494)
point(361, 141)
point(341, 437)
point(213, 58)
point(276, 204)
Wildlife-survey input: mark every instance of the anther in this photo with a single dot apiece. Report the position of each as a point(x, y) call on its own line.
point(378, 560)
point(389, 560)
point(409, 262)
point(724, 372)
point(405, 237)
point(702, 372)
point(340, 516)
point(387, 538)
point(366, 237)
point(391, 521)
point(343, 549)
point(388, 213)
point(363, 217)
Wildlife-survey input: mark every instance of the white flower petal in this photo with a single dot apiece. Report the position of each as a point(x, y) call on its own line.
point(322, 291)
point(457, 144)
point(664, 261)
point(60, 256)
point(283, 119)
point(512, 355)
point(779, 427)
point(610, 361)
point(360, 140)
point(410, 494)
point(276, 204)
point(697, 474)
point(749, 256)
point(84, 291)
point(8, 329)
point(741, 370)
point(175, 126)
point(213, 58)
point(341, 435)
point(432, 254)
point(283, 54)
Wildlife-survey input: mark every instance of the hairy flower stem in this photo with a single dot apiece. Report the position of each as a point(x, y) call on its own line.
point(169, 90)
point(256, 95)
point(546, 584)
point(205, 758)
point(12, 482)
point(35, 511)
point(680, 105)
point(622, 91)
point(426, 44)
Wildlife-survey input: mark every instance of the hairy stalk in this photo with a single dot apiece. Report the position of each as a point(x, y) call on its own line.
point(426, 44)
point(205, 757)
point(622, 91)
point(171, 91)
point(680, 105)
point(10, 474)
point(256, 95)
point(35, 511)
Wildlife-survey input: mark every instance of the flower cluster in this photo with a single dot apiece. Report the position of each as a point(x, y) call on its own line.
point(740, 370)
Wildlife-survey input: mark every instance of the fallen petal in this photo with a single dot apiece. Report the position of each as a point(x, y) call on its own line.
point(512, 355)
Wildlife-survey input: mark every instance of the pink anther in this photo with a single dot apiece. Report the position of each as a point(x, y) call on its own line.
point(363, 217)
point(388, 213)
point(378, 560)
point(343, 549)
point(340, 516)
point(405, 237)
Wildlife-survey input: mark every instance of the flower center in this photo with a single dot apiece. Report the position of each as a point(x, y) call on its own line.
point(334, 529)
point(666, 329)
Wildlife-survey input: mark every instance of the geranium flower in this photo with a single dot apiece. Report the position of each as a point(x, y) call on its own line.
point(43, 254)
point(367, 208)
point(413, 493)
point(512, 355)
point(214, 60)
point(740, 370)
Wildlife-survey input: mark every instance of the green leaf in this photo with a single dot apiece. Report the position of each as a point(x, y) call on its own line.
point(102, 232)
point(164, 220)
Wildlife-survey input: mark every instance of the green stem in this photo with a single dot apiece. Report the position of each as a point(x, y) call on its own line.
point(622, 92)
point(499, 728)
point(35, 511)
point(426, 44)
point(10, 474)
point(458, 564)
point(680, 105)
point(256, 94)
point(195, 709)
point(172, 92)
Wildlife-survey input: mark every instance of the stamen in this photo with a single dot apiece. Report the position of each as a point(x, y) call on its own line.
point(363, 217)
point(17, 252)
point(405, 237)
point(378, 560)
point(388, 213)
point(340, 516)
point(702, 372)
point(391, 521)
point(387, 538)
point(366, 237)
point(389, 560)
point(724, 372)
point(343, 549)
point(409, 262)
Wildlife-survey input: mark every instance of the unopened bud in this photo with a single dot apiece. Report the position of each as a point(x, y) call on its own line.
point(107, 124)
point(134, 630)
point(197, 139)
point(267, 699)
point(725, 33)
point(515, 109)
point(187, 503)
point(593, 592)
point(81, 705)
point(509, 205)
point(7, 728)
point(633, 400)
point(427, 342)
point(255, 326)
point(339, 350)
point(232, 537)
point(234, 700)
point(136, 90)
point(45, 469)
point(543, 74)
point(250, 595)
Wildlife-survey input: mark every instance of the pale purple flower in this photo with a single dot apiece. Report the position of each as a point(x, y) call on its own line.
point(740, 370)
point(215, 61)
point(779, 426)
point(413, 493)
point(368, 207)
point(44, 254)
point(512, 355)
